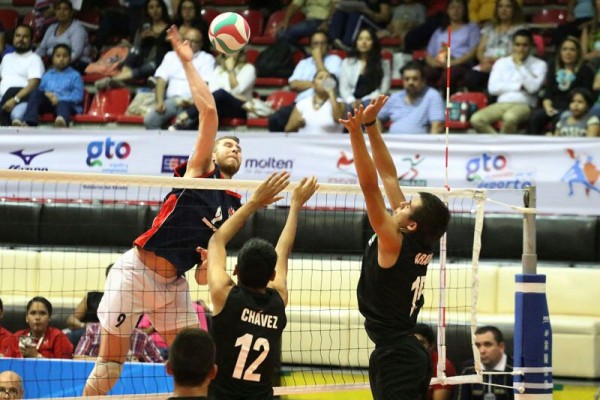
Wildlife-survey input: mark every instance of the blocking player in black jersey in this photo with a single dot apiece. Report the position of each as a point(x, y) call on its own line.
point(390, 288)
point(150, 277)
point(248, 318)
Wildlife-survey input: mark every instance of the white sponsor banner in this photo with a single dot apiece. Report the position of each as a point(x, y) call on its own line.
point(566, 171)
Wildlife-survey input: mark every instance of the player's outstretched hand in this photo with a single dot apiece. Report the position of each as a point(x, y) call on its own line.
point(304, 190)
point(183, 49)
point(267, 192)
point(354, 122)
point(369, 114)
point(200, 274)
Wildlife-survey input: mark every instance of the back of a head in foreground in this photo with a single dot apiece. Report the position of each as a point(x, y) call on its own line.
point(432, 219)
point(192, 357)
point(256, 263)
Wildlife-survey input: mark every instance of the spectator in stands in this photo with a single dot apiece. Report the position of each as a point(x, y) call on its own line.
point(149, 47)
point(465, 38)
point(43, 12)
point(364, 73)
point(406, 16)
point(188, 16)
point(317, 15)
point(61, 91)
point(40, 340)
point(516, 80)
point(590, 38)
point(417, 38)
point(141, 347)
point(579, 12)
point(490, 343)
point(346, 23)
point(481, 11)
point(231, 84)
point(118, 22)
point(568, 71)
point(172, 89)
point(4, 333)
point(20, 74)
point(145, 325)
point(496, 42)
point(321, 112)
point(67, 30)
point(438, 391)
point(85, 313)
point(192, 363)
point(301, 80)
point(417, 108)
point(578, 121)
point(11, 385)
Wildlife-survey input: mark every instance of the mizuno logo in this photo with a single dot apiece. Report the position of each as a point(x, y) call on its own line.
point(27, 158)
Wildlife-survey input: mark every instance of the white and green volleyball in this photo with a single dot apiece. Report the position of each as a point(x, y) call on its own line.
point(229, 32)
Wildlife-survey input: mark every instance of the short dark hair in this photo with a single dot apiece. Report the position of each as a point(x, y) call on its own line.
point(29, 28)
point(413, 65)
point(432, 219)
point(44, 301)
point(425, 331)
point(192, 356)
point(62, 46)
point(256, 263)
point(320, 32)
point(67, 2)
point(523, 33)
point(585, 93)
point(498, 337)
point(234, 138)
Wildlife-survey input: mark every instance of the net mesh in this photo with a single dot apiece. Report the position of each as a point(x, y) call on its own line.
point(60, 231)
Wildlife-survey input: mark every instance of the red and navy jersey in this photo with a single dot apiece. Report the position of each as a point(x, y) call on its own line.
point(390, 298)
point(186, 220)
point(247, 334)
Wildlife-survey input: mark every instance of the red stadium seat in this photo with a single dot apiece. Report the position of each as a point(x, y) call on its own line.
point(278, 82)
point(229, 3)
point(209, 14)
point(270, 31)
point(277, 99)
point(339, 53)
point(23, 3)
point(480, 99)
point(50, 117)
point(9, 18)
point(231, 122)
point(255, 21)
point(546, 21)
point(130, 119)
point(106, 106)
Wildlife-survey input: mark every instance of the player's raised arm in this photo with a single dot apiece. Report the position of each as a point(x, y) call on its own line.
point(200, 161)
point(219, 281)
point(390, 240)
point(381, 155)
point(304, 191)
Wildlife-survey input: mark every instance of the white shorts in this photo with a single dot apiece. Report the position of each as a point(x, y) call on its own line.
point(132, 289)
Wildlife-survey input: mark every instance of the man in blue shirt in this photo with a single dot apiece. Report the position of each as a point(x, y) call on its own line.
point(417, 108)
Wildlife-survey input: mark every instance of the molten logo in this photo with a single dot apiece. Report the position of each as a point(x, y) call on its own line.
point(583, 171)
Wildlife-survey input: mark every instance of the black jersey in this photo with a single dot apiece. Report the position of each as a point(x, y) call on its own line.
point(247, 333)
point(390, 298)
point(186, 220)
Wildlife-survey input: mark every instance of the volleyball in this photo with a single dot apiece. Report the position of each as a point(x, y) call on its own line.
point(229, 32)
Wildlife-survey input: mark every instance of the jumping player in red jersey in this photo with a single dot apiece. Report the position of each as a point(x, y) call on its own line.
point(394, 264)
point(149, 278)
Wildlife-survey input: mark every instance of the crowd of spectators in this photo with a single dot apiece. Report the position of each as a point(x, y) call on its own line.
point(362, 67)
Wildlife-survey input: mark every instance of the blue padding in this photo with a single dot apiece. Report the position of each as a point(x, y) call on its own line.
point(533, 338)
point(45, 378)
point(530, 278)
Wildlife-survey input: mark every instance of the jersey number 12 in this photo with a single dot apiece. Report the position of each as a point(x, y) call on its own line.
point(245, 342)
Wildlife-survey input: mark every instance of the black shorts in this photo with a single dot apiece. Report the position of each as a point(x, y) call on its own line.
point(400, 371)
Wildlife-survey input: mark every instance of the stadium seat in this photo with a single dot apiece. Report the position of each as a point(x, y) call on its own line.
point(209, 14)
point(89, 17)
point(130, 119)
point(546, 21)
point(106, 106)
point(540, 45)
point(50, 117)
point(277, 99)
point(23, 3)
point(255, 21)
point(390, 41)
point(229, 3)
point(270, 31)
point(9, 19)
point(272, 81)
point(339, 53)
point(480, 99)
point(231, 122)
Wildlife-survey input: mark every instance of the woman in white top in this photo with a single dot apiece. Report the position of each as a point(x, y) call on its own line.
point(364, 75)
point(320, 112)
point(231, 84)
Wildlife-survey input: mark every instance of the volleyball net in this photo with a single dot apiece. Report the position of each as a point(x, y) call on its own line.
point(59, 232)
